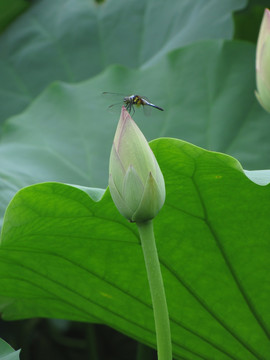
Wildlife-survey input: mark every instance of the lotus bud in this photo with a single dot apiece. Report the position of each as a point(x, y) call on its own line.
point(263, 62)
point(136, 182)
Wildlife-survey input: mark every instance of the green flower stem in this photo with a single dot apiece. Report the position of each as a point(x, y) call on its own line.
point(161, 315)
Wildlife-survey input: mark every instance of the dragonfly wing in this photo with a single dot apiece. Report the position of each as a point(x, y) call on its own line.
point(147, 110)
point(145, 98)
point(114, 96)
point(115, 108)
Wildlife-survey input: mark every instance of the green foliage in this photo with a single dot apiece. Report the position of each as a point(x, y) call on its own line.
point(67, 133)
point(7, 353)
point(65, 251)
point(9, 10)
point(247, 23)
point(77, 39)
point(66, 255)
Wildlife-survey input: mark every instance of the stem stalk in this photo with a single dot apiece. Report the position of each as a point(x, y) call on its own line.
point(161, 315)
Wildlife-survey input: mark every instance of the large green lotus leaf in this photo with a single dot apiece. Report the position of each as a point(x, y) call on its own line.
point(207, 91)
point(65, 255)
point(76, 39)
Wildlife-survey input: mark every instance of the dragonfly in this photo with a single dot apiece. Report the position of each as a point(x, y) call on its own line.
point(132, 101)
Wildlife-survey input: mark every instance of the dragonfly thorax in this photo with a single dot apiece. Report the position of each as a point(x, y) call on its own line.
point(134, 100)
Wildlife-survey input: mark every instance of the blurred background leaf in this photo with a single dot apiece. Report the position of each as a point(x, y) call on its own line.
point(7, 353)
point(247, 21)
point(76, 39)
point(9, 10)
